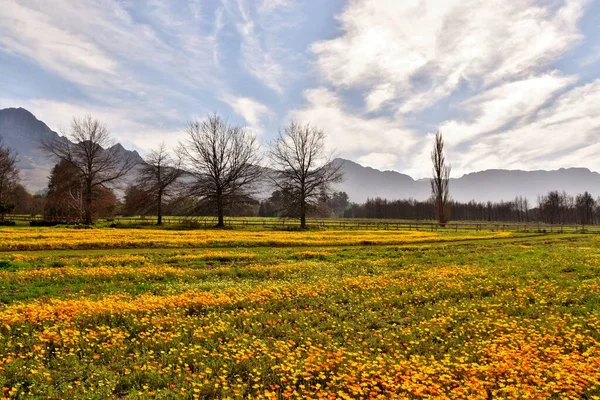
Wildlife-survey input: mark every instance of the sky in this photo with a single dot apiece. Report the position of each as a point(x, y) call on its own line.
point(512, 84)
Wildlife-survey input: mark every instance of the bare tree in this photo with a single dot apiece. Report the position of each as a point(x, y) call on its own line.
point(521, 205)
point(552, 207)
point(303, 170)
point(440, 183)
point(224, 162)
point(9, 174)
point(586, 207)
point(158, 175)
point(85, 146)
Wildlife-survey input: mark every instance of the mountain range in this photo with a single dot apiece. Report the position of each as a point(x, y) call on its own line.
point(23, 132)
point(493, 184)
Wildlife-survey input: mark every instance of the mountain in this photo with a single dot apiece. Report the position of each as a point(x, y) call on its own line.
point(496, 184)
point(365, 182)
point(22, 131)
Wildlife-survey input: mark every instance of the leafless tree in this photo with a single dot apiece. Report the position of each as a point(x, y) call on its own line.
point(158, 175)
point(224, 162)
point(521, 206)
point(440, 183)
point(586, 208)
point(552, 206)
point(303, 170)
point(85, 145)
point(9, 174)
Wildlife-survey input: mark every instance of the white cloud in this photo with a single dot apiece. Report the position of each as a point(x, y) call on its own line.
point(503, 105)
point(564, 134)
point(496, 55)
point(382, 161)
point(525, 124)
point(259, 62)
point(379, 95)
point(251, 110)
point(102, 47)
point(259, 25)
point(350, 134)
point(34, 35)
point(135, 68)
point(425, 48)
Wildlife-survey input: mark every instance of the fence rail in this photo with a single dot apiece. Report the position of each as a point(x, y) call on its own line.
point(345, 224)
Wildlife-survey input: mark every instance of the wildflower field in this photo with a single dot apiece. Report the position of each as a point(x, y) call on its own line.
point(149, 313)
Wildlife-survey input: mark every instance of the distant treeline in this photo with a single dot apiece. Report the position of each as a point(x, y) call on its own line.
point(553, 208)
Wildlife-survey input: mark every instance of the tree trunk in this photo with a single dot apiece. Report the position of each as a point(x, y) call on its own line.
point(220, 219)
point(303, 214)
point(159, 210)
point(88, 205)
point(220, 212)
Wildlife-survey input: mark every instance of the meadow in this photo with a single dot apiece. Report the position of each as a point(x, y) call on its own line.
point(164, 313)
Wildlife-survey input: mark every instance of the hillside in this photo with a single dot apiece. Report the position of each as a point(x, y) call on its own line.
point(23, 132)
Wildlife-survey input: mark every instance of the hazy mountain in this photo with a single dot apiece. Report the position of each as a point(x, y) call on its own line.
point(363, 182)
point(23, 132)
point(496, 184)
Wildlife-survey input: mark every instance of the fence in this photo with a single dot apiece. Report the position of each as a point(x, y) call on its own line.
point(277, 223)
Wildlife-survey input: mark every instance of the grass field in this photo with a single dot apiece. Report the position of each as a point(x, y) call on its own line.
point(148, 313)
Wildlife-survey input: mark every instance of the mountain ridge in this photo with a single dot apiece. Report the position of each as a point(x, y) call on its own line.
point(22, 131)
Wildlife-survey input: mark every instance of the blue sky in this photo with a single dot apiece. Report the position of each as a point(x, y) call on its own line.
point(510, 83)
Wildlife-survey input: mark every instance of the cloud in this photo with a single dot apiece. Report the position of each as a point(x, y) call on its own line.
point(263, 55)
point(251, 110)
point(379, 95)
point(352, 135)
point(419, 51)
point(492, 63)
point(32, 34)
point(564, 134)
point(504, 105)
point(258, 61)
point(111, 49)
point(142, 68)
point(380, 161)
